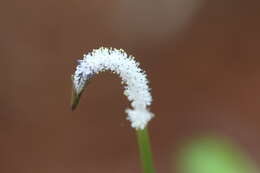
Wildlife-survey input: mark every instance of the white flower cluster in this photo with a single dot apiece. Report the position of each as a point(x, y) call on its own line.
point(136, 84)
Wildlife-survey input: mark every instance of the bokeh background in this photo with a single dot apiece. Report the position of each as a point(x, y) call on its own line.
point(202, 58)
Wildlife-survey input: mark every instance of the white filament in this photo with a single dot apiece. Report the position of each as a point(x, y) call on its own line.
point(136, 84)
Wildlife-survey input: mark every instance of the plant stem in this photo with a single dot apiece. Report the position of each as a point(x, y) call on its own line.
point(145, 151)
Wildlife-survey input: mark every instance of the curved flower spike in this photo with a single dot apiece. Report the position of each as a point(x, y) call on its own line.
point(136, 84)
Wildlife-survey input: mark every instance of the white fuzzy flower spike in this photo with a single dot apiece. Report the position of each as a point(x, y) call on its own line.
point(136, 84)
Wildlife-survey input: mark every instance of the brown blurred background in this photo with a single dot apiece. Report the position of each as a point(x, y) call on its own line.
point(202, 58)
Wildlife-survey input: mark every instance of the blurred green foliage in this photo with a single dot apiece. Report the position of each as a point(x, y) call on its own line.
point(213, 155)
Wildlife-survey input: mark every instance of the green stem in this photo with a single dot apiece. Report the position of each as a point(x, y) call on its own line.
point(145, 151)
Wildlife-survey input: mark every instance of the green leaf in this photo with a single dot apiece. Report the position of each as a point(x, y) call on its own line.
point(214, 155)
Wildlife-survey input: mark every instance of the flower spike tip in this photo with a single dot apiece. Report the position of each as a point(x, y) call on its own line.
point(133, 78)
